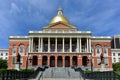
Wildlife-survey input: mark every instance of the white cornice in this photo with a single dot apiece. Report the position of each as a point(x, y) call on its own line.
point(101, 37)
point(4, 49)
point(58, 32)
point(18, 37)
point(115, 50)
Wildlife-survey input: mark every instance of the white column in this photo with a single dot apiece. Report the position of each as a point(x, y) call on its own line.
point(48, 44)
point(41, 44)
point(38, 44)
point(55, 44)
point(87, 45)
point(63, 44)
point(90, 45)
point(80, 45)
point(32, 46)
point(77, 44)
point(29, 44)
point(114, 43)
point(70, 44)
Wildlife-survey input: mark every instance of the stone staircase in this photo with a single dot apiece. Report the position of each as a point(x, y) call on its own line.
point(60, 73)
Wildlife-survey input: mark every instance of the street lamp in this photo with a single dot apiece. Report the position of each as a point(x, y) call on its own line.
point(18, 61)
point(91, 64)
point(27, 62)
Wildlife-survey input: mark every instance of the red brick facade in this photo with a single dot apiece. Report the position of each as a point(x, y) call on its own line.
point(54, 34)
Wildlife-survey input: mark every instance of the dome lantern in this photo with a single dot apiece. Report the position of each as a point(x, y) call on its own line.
point(59, 18)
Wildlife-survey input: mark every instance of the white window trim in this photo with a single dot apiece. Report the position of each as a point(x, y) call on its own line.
point(105, 54)
point(100, 50)
point(22, 53)
point(14, 49)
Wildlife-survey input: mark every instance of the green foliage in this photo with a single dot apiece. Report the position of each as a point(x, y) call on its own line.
point(3, 64)
point(116, 66)
point(28, 70)
point(1, 70)
point(87, 71)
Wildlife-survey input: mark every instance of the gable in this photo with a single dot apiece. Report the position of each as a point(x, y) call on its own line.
point(59, 26)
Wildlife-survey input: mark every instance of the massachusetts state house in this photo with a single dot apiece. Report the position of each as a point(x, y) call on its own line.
point(60, 44)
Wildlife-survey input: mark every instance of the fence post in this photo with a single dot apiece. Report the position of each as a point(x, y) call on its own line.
point(7, 74)
point(3, 75)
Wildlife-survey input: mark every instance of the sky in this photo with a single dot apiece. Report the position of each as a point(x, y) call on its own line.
point(18, 17)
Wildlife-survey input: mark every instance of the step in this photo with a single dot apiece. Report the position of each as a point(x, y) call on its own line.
point(61, 79)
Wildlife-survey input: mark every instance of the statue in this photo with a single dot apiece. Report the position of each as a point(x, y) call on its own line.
point(102, 58)
point(18, 58)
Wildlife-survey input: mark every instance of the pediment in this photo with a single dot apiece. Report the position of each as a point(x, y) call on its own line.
point(60, 25)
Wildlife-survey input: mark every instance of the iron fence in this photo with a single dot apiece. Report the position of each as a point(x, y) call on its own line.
point(13, 75)
point(106, 75)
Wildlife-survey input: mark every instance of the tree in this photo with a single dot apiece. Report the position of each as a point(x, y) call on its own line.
point(116, 67)
point(3, 64)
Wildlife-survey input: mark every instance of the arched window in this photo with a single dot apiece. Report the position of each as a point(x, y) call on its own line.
point(105, 50)
point(98, 50)
point(21, 49)
point(14, 49)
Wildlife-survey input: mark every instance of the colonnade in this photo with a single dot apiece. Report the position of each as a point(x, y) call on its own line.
point(79, 44)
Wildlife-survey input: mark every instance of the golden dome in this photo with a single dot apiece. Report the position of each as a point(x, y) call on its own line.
point(59, 18)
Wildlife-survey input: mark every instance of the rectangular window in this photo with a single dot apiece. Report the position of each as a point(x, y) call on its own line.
point(1, 54)
point(106, 61)
point(6, 54)
point(113, 54)
point(6, 58)
point(114, 59)
point(119, 59)
point(118, 54)
point(98, 61)
point(14, 49)
point(13, 60)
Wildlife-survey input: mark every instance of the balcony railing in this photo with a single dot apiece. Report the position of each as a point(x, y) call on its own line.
point(60, 49)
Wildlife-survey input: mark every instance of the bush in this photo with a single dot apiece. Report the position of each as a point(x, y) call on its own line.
point(28, 70)
point(87, 71)
point(116, 66)
point(3, 64)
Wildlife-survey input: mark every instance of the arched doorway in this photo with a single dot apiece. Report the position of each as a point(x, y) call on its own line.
point(52, 61)
point(44, 60)
point(35, 61)
point(67, 61)
point(74, 60)
point(84, 60)
point(59, 61)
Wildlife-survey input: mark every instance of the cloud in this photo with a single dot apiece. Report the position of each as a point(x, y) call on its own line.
point(17, 17)
point(14, 8)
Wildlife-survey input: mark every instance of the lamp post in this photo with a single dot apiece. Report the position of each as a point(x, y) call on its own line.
point(18, 61)
point(91, 64)
point(27, 62)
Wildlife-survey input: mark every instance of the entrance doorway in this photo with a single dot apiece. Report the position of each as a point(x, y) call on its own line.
point(74, 60)
point(52, 61)
point(84, 60)
point(35, 61)
point(59, 61)
point(44, 60)
point(67, 61)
